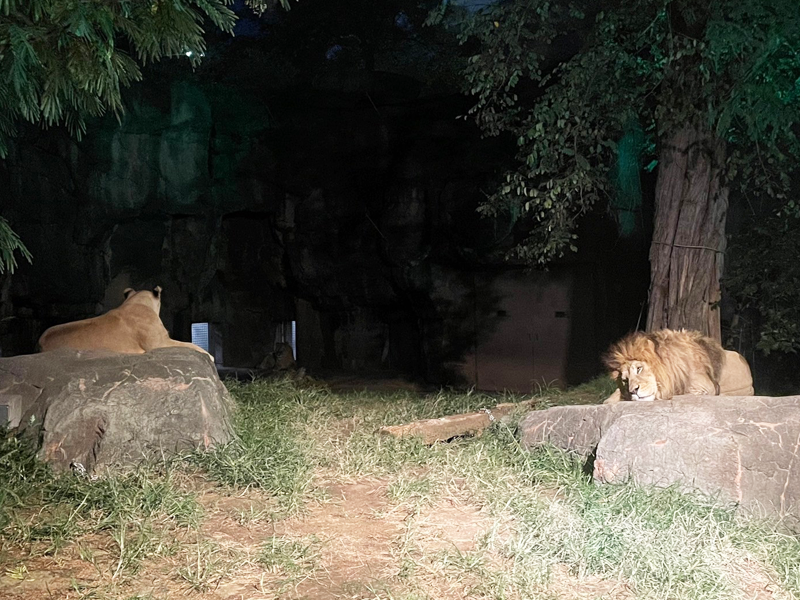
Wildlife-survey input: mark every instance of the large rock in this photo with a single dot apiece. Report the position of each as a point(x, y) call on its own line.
point(97, 408)
point(574, 428)
point(747, 449)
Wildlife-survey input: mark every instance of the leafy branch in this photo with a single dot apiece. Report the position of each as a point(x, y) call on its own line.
point(10, 243)
point(62, 61)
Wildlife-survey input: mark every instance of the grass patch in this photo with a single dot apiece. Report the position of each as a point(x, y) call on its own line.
point(291, 557)
point(269, 452)
point(44, 511)
point(591, 392)
point(544, 525)
point(207, 563)
point(406, 488)
point(663, 543)
point(292, 560)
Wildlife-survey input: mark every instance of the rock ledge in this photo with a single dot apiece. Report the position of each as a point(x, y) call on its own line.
point(747, 449)
point(98, 408)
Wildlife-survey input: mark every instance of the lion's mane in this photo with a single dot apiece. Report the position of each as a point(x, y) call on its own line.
point(673, 356)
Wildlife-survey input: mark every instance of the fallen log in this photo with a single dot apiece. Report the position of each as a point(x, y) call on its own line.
point(451, 426)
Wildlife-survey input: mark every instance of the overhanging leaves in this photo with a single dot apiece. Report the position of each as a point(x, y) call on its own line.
point(563, 79)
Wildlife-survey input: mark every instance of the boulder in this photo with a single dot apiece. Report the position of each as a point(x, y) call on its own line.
point(90, 409)
point(575, 428)
point(746, 449)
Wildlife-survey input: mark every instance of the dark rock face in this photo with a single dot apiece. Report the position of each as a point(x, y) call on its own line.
point(745, 448)
point(350, 211)
point(239, 221)
point(97, 408)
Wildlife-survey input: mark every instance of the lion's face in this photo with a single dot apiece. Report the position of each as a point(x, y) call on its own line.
point(636, 381)
point(145, 297)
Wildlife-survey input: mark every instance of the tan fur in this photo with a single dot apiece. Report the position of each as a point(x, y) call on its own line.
point(134, 327)
point(666, 363)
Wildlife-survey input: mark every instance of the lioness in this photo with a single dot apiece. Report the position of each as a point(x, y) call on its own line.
point(134, 327)
point(665, 363)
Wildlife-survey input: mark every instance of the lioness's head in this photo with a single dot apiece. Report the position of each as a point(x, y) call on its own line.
point(146, 297)
point(632, 363)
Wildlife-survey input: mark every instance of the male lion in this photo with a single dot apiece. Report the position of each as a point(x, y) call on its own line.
point(667, 363)
point(134, 327)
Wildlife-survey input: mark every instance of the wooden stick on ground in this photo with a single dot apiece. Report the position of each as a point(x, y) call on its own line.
point(445, 428)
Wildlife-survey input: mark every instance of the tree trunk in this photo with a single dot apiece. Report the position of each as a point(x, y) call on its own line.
point(689, 234)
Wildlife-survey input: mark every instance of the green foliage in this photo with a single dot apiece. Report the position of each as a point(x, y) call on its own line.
point(763, 277)
point(10, 243)
point(62, 61)
point(626, 175)
point(565, 79)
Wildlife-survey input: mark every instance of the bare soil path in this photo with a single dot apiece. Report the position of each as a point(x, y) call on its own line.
point(350, 544)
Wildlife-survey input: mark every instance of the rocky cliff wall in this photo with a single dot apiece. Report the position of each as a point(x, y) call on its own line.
point(252, 206)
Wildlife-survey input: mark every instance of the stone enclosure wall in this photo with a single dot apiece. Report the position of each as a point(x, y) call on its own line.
point(253, 208)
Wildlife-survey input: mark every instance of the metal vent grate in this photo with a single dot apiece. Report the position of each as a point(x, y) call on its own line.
point(286, 332)
point(200, 335)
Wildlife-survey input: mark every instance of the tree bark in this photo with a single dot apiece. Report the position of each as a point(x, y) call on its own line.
point(686, 256)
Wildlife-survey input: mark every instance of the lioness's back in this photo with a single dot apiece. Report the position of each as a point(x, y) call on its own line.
point(131, 328)
point(106, 332)
point(134, 327)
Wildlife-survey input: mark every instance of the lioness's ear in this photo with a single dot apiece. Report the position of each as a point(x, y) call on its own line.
point(128, 292)
point(157, 291)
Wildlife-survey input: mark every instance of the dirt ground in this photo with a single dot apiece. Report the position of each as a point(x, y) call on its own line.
point(358, 545)
point(356, 539)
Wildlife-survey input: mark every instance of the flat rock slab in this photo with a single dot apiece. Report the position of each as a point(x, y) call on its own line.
point(97, 408)
point(431, 431)
point(747, 449)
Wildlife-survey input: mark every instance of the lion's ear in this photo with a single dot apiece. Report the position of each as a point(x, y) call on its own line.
point(157, 291)
point(128, 292)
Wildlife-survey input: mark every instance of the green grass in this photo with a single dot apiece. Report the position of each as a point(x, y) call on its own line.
point(291, 557)
point(546, 520)
point(664, 543)
point(405, 488)
point(206, 563)
point(45, 511)
point(268, 454)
